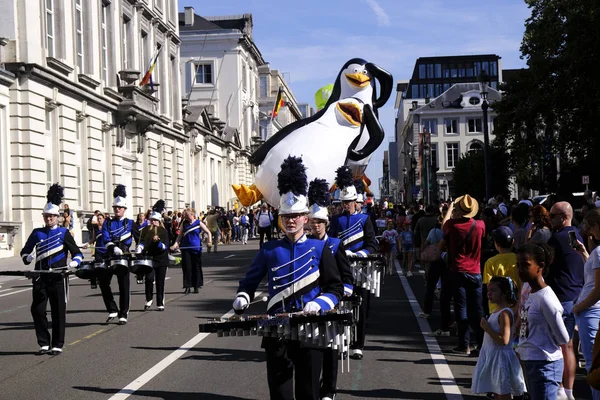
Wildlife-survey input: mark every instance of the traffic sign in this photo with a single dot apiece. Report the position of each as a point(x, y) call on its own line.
point(585, 179)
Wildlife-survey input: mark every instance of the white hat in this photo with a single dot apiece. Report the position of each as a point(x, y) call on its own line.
point(360, 198)
point(348, 193)
point(54, 196)
point(343, 180)
point(292, 184)
point(319, 198)
point(157, 210)
point(120, 196)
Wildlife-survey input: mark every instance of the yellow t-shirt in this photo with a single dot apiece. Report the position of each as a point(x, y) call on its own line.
point(501, 265)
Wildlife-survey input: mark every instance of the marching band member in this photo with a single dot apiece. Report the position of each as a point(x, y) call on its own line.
point(48, 247)
point(302, 276)
point(356, 232)
point(319, 199)
point(360, 196)
point(117, 237)
point(190, 240)
point(154, 241)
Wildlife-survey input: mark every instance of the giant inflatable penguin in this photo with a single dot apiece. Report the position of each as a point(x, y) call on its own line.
point(323, 144)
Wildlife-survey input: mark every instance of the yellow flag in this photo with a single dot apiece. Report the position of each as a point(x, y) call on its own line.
point(322, 96)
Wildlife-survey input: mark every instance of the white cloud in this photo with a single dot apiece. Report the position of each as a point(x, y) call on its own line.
point(383, 18)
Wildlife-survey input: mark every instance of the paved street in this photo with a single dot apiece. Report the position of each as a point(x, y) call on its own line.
point(162, 355)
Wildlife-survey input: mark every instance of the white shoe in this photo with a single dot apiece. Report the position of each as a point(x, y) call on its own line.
point(327, 398)
point(122, 321)
point(111, 316)
point(44, 350)
point(357, 354)
point(56, 351)
point(439, 333)
point(423, 315)
point(147, 305)
point(161, 308)
point(408, 274)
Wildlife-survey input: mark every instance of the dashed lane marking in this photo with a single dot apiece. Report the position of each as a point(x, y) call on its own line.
point(442, 369)
point(14, 309)
point(15, 292)
point(229, 256)
point(164, 363)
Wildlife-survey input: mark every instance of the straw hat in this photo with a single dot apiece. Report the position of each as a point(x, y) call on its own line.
point(467, 205)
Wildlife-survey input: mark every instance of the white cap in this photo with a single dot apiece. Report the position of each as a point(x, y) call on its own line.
point(51, 208)
point(318, 212)
point(360, 198)
point(348, 193)
point(156, 215)
point(290, 203)
point(120, 202)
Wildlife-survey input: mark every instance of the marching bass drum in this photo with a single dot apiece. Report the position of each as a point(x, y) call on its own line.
point(140, 264)
point(119, 264)
point(85, 270)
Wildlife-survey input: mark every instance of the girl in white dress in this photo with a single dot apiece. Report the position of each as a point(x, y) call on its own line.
point(498, 370)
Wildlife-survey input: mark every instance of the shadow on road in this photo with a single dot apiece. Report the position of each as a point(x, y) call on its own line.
point(215, 354)
point(392, 394)
point(160, 394)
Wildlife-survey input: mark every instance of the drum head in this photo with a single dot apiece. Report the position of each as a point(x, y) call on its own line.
point(140, 269)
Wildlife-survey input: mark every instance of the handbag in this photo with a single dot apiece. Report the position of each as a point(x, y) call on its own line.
point(431, 253)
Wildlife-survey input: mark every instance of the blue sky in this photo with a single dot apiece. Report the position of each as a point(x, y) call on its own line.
point(310, 40)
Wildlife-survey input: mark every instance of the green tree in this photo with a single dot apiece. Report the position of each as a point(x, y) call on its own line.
point(469, 175)
point(551, 109)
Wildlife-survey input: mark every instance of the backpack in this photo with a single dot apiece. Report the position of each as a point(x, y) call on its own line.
point(244, 220)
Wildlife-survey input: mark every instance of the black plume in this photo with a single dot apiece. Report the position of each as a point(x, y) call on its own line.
point(159, 206)
point(343, 177)
point(318, 193)
point(292, 177)
point(359, 185)
point(120, 191)
point(55, 194)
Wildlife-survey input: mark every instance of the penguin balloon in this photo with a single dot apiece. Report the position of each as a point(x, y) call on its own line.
point(345, 131)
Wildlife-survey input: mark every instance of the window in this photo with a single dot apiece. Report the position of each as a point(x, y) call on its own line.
point(494, 85)
point(244, 77)
point(104, 44)
point(434, 156)
point(430, 90)
point(475, 147)
point(430, 126)
point(126, 36)
point(446, 86)
point(79, 34)
point(204, 73)
point(451, 126)
point(423, 90)
point(50, 28)
point(493, 68)
point(477, 68)
point(79, 186)
point(422, 71)
point(438, 89)
point(49, 174)
point(263, 86)
point(158, 4)
point(438, 70)
point(430, 69)
point(452, 154)
point(144, 58)
point(48, 121)
point(415, 91)
point(485, 66)
point(474, 100)
point(474, 125)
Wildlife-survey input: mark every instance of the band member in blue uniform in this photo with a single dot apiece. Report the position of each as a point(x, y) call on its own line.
point(190, 242)
point(356, 232)
point(154, 241)
point(319, 200)
point(117, 237)
point(48, 247)
point(302, 276)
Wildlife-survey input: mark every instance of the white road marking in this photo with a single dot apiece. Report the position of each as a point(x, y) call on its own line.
point(18, 291)
point(229, 256)
point(442, 369)
point(167, 278)
point(5, 290)
point(164, 363)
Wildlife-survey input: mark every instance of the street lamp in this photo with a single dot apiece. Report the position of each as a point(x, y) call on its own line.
point(405, 172)
point(426, 153)
point(484, 81)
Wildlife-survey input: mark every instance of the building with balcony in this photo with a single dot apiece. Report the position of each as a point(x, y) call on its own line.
point(77, 114)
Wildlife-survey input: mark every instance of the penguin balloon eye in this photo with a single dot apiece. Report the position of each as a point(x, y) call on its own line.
point(364, 71)
point(355, 69)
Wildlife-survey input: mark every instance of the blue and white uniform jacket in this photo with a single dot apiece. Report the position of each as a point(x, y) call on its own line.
point(191, 240)
point(99, 244)
point(117, 232)
point(137, 230)
point(355, 231)
point(339, 253)
point(297, 273)
point(51, 246)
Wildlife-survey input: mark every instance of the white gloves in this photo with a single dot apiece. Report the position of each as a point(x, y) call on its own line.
point(29, 258)
point(138, 250)
point(117, 251)
point(312, 307)
point(73, 264)
point(349, 253)
point(240, 304)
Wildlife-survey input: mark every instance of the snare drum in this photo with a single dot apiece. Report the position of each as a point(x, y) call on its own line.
point(119, 264)
point(100, 268)
point(85, 270)
point(140, 265)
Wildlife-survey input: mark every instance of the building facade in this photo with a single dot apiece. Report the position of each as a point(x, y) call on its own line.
point(77, 114)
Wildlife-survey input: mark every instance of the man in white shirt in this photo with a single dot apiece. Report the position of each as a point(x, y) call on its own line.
point(264, 219)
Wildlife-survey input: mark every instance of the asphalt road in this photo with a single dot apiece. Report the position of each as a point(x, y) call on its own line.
point(161, 355)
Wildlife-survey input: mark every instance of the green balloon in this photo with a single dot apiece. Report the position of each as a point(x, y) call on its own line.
point(323, 95)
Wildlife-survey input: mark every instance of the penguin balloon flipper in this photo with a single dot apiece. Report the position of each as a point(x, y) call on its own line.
point(386, 82)
point(376, 136)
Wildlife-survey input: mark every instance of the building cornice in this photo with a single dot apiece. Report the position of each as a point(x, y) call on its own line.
point(6, 78)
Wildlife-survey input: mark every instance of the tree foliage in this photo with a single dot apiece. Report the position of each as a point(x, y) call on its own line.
point(469, 174)
point(551, 108)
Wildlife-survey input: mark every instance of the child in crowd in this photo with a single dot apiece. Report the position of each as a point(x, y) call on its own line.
point(504, 263)
point(542, 329)
point(406, 237)
point(393, 239)
point(498, 370)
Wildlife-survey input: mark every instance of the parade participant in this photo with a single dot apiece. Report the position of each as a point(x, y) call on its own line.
point(154, 241)
point(99, 246)
point(117, 237)
point(138, 225)
point(190, 241)
point(358, 237)
point(360, 197)
point(48, 248)
point(318, 198)
point(294, 284)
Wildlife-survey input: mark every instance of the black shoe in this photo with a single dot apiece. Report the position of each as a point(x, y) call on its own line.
point(196, 290)
point(186, 291)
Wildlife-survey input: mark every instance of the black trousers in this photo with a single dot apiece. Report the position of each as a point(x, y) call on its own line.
point(292, 369)
point(330, 372)
point(53, 290)
point(191, 265)
point(262, 232)
point(157, 275)
point(107, 295)
point(363, 314)
point(439, 270)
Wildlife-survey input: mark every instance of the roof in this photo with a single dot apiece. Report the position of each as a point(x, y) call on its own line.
point(200, 24)
point(453, 97)
point(242, 22)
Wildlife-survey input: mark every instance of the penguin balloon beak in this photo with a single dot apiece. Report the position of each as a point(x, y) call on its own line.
point(358, 79)
point(351, 112)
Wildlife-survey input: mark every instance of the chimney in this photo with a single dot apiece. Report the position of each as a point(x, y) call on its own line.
point(189, 15)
